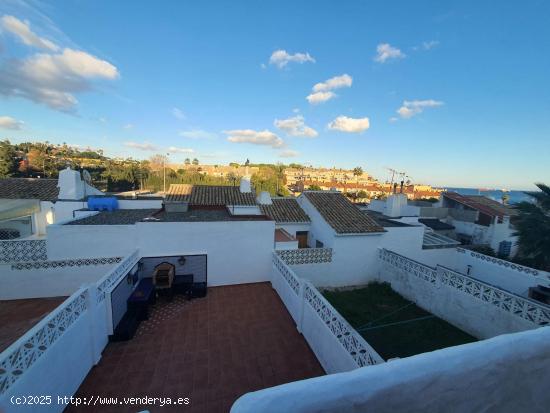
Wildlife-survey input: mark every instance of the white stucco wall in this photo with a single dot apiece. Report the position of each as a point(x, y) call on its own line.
point(478, 318)
point(238, 251)
point(47, 282)
point(139, 203)
point(508, 373)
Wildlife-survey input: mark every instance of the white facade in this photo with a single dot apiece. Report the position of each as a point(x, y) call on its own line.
point(238, 251)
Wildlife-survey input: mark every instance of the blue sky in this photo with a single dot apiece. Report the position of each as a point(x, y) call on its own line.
point(453, 93)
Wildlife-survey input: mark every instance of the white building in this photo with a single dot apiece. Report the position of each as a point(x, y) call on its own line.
point(263, 322)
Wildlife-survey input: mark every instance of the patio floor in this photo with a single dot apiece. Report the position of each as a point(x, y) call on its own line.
point(212, 350)
point(19, 316)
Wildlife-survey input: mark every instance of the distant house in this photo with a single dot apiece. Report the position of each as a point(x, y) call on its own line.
point(28, 205)
point(481, 220)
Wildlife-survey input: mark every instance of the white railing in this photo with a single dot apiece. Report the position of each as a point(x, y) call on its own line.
point(538, 314)
point(306, 256)
point(337, 345)
point(23, 251)
point(106, 284)
point(408, 265)
point(503, 263)
point(351, 340)
point(21, 355)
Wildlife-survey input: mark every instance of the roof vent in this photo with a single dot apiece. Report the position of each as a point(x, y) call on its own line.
point(264, 198)
point(245, 186)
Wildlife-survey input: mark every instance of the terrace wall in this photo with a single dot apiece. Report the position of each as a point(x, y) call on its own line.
point(237, 251)
point(51, 278)
point(475, 307)
point(508, 373)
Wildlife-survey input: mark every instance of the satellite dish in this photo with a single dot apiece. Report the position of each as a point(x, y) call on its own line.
point(86, 176)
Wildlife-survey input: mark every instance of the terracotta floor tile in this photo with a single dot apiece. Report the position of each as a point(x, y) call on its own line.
point(213, 350)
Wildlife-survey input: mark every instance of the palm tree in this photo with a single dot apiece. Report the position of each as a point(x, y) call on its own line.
point(533, 228)
point(357, 172)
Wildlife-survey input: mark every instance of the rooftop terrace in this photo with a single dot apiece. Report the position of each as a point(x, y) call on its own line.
point(214, 349)
point(19, 316)
point(131, 216)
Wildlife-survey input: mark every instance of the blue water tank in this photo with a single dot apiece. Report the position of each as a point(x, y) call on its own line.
point(103, 203)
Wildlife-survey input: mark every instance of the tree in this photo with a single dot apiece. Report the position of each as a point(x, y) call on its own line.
point(187, 161)
point(314, 188)
point(533, 228)
point(8, 164)
point(361, 194)
point(357, 172)
point(195, 161)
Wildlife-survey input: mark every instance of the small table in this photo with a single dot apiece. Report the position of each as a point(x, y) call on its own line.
point(143, 295)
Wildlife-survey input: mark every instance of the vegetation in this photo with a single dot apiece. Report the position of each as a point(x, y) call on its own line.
point(44, 159)
point(533, 229)
point(374, 312)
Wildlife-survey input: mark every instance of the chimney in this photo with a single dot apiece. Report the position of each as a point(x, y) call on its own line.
point(264, 198)
point(71, 185)
point(245, 186)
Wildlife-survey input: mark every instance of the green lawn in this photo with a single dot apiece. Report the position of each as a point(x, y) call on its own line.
point(372, 310)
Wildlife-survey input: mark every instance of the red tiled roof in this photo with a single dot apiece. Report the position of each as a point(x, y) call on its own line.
point(179, 193)
point(285, 210)
point(482, 204)
point(341, 214)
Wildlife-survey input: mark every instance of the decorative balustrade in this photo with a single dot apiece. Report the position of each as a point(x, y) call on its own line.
point(538, 314)
point(81, 262)
point(420, 270)
point(351, 340)
point(23, 251)
point(303, 292)
point(105, 284)
point(288, 275)
point(503, 263)
point(306, 256)
point(22, 354)
point(527, 309)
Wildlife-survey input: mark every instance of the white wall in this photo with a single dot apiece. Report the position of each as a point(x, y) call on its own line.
point(498, 272)
point(139, 203)
point(238, 251)
point(91, 241)
point(63, 210)
point(286, 245)
point(505, 374)
point(478, 318)
point(47, 282)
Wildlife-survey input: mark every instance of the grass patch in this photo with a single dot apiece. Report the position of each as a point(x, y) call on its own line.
point(372, 311)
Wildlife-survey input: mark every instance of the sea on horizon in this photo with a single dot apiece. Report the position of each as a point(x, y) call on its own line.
point(495, 194)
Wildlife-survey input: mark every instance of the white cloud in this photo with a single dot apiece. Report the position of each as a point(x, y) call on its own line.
point(411, 108)
point(53, 79)
point(178, 113)
point(349, 125)
point(394, 119)
point(323, 91)
point(264, 137)
point(429, 45)
point(295, 126)
point(174, 149)
point(198, 134)
point(384, 52)
point(145, 146)
point(128, 126)
point(22, 30)
point(7, 122)
point(320, 97)
point(281, 58)
point(335, 82)
point(296, 110)
point(289, 153)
